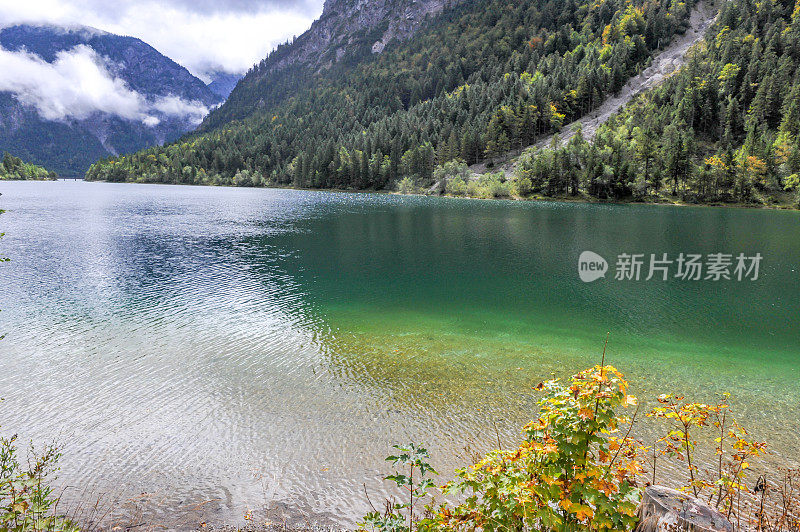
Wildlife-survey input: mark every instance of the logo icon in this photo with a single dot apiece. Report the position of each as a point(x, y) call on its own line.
point(591, 266)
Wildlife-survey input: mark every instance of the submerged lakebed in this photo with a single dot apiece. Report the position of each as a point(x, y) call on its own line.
point(253, 348)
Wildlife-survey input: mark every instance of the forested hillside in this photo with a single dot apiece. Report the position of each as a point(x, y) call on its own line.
point(15, 168)
point(346, 33)
point(725, 128)
point(480, 79)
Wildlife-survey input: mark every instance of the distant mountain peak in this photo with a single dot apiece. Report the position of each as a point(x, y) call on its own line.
point(84, 32)
point(135, 98)
point(222, 83)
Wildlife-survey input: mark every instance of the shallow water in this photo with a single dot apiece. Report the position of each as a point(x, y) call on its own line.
point(261, 348)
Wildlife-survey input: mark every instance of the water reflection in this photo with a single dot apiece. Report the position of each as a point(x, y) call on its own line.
point(244, 346)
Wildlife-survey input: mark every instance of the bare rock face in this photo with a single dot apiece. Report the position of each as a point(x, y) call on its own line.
point(341, 20)
point(666, 509)
point(378, 47)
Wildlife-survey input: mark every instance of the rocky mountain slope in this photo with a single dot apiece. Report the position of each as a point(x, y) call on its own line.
point(346, 24)
point(664, 64)
point(346, 32)
point(73, 95)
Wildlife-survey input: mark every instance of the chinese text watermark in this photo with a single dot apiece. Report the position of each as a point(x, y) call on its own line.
point(663, 266)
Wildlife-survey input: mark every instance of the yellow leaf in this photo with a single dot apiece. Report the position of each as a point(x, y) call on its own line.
point(584, 512)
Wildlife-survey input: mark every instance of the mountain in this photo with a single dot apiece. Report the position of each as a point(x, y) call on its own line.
point(445, 71)
point(383, 91)
point(99, 94)
point(347, 32)
point(222, 83)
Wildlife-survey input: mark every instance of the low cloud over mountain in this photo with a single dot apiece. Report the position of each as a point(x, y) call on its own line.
point(205, 36)
point(79, 84)
point(71, 95)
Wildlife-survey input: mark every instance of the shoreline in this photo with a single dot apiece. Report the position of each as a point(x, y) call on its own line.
point(43, 179)
point(589, 200)
point(660, 201)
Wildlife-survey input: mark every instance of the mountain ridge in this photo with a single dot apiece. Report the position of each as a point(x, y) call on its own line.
point(223, 83)
point(173, 97)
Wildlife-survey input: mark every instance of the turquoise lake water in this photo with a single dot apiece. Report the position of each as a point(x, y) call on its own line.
point(261, 348)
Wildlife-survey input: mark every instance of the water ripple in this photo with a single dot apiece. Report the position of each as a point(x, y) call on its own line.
point(252, 347)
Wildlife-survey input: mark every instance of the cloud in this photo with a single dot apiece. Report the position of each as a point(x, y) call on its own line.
point(78, 84)
point(175, 106)
point(203, 35)
point(213, 6)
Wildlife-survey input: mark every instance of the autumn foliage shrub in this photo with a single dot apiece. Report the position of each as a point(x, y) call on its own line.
point(771, 502)
point(572, 470)
point(578, 468)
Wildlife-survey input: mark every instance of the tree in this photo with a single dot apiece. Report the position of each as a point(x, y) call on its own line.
point(673, 146)
point(406, 186)
point(790, 123)
point(455, 169)
point(645, 145)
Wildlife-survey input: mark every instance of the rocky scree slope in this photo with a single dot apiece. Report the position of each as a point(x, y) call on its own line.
point(666, 63)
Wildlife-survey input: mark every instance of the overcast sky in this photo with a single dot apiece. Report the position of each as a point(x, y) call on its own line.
point(202, 35)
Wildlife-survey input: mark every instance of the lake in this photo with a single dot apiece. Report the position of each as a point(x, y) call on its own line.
point(252, 348)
